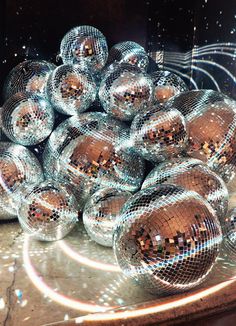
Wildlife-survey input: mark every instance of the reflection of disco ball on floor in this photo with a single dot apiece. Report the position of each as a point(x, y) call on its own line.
point(86, 46)
point(167, 239)
point(70, 89)
point(48, 212)
point(19, 170)
point(192, 174)
point(211, 120)
point(166, 85)
point(101, 213)
point(158, 133)
point(125, 91)
point(28, 76)
point(27, 119)
point(87, 150)
point(129, 52)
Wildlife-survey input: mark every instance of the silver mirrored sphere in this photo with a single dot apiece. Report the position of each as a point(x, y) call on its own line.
point(192, 174)
point(70, 89)
point(125, 91)
point(166, 85)
point(19, 170)
point(129, 52)
point(27, 119)
point(167, 239)
point(48, 212)
point(101, 213)
point(158, 133)
point(211, 120)
point(28, 76)
point(87, 151)
point(229, 232)
point(86, 46)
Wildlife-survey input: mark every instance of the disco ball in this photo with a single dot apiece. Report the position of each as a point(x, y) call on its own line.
point(86, 46)
point(70, 89)
point(129, 52)
point(87, 151)
point(48, 212)
point(166, 85)
point(211, 120)
point(158, 133)
point(167, 239)
point(28, 76)
point(19, 170)
point(125, 91)
point(192, 174)
point(27, 119)
point(229, 231)
point(101, 213)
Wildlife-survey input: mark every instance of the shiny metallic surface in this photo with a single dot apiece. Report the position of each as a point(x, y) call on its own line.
point(166, 85)
point(211, 120)
point(125, 91)
point(89, 151)
point(48, 212)
point(129, 52)
point(167, 239)
point(27, 119)
point(28, 76)
point(19, 170)
point(158, 134)
point(101, 213)
point(86, 46)
point(70, 89)
point(192, 174)
point(229, 232)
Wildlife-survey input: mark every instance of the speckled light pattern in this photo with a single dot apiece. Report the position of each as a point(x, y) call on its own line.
point(19, 170)
point(158, 133)
point(28, 76)
point(27, 119)
point(101, 213)
point(166, 85)
point(88, 152)
point(48, 212)
point(167, 239)
point(125, 91)
point(192, 174)
point(211, 120)
point(86, 46)
point(70, 89)
point(129, 52)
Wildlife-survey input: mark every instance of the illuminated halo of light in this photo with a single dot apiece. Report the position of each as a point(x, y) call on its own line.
point(86, 261)
point(49, 292)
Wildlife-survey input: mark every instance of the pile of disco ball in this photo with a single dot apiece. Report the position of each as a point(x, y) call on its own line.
point(135, 154)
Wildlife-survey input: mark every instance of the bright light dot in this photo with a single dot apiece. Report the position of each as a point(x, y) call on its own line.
point(15, 54)
point(2, 303)
point(23, 47)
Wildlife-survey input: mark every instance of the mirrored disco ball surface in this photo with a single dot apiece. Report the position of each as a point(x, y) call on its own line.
point(211, 120)
point(19, 170)
point(158, 133)
point(48, 212)
point(166, 85)
point(70, 89)
point(125, 91)
point(88, 150)
point(229, 231)
point(28, 76)
point(86, 46)
point(27, 119)
point(129, 52)
point(192, 174)
point(167, 239)
point(101, 213)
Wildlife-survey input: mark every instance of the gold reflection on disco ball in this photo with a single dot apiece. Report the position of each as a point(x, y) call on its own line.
point(192, 174)
point(167, 239)
point(48, 212)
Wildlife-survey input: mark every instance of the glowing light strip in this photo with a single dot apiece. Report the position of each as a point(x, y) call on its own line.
point(86, 261)
point(156, 308)
point(46, 290)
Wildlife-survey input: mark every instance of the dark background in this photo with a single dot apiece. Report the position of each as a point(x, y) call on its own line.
point(33, 29)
